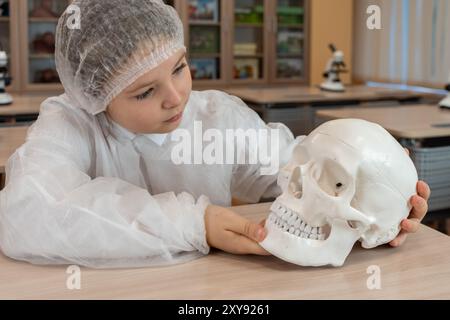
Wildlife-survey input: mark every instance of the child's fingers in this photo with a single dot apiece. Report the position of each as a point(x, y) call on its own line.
point(410, 225)
point(245, 227)
point(262, 223)
point(420, 208)
point(423, 190)
point(240, 244)
point(407, 151)
point(398, 241)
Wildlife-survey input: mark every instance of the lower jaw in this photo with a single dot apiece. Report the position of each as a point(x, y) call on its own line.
point(308, 252)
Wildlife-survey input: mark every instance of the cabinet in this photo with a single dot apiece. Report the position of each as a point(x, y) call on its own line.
point(230, 42)
point(289, 44)
point(245, 42)
point(38, 20)
point(8, 32)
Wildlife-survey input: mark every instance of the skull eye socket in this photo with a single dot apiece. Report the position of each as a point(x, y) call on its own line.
point(332, 178)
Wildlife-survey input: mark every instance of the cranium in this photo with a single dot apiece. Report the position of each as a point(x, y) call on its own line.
point(348, 180)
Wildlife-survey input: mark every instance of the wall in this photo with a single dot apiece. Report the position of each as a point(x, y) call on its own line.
point(331, 22)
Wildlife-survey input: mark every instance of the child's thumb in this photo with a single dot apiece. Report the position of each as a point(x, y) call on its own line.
point(255, 231)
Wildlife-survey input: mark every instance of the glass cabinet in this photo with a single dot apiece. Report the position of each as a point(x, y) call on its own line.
point(249, 48)
point(8, 16)
point(205, 39)
point(40, 18)
point(289, 30)
point(229, 42)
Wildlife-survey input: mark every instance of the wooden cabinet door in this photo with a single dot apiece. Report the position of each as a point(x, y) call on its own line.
point(206, 34)
point(9, 35)
point(38, 21)
point(249, 47)
point(288, 38)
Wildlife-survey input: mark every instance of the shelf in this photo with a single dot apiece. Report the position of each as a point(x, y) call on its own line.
point(4, 19)
point(290, 26)
point(245, 56)
point(290, 55)
point(204, 23)
point(42, 56)
point(248, 80)
point(248, 25)
point(31, 19)
point(195, 55)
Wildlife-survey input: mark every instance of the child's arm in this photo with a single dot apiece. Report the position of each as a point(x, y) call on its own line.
point(52, 212)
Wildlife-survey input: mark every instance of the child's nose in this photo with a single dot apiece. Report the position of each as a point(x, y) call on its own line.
point(172, 98)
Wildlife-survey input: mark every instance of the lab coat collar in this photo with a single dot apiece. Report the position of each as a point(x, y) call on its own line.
point(158, 138)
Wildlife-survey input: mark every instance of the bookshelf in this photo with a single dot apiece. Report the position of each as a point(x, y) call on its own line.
point(246, 42)
point(8, 18)
point(38, 20)
point(230, 42)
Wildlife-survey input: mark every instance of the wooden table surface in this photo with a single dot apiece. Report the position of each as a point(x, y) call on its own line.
point(420, 269)
point(11, 138)
point(305, 94)
point(406, 121)
point(23, 104)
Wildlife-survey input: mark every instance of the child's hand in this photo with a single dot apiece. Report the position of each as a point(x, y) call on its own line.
point(227, 231)
point(418, 211)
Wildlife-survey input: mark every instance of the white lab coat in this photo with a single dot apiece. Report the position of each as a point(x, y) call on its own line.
point(83, 190)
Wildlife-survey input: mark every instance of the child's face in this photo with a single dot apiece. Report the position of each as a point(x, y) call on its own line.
point(155, 102)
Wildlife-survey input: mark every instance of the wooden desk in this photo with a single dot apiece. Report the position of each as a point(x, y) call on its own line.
point(420, 269)
point(11, 138)
point(26, 107)
point(296, 107)
point(406, 121)
point(273, 97)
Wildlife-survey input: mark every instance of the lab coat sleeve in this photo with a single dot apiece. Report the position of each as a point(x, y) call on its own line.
point(250, 183)
point(53, 212)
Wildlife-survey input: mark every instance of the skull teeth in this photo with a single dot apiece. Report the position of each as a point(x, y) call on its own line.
point(290, 222)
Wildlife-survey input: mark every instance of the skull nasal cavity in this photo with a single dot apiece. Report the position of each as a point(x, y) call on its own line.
point(295, 184)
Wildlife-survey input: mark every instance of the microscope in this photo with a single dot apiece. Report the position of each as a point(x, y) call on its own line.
point(5, 79)
point(445, 103)
point(335, 66)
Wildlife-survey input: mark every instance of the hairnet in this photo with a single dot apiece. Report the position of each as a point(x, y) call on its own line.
point(117, 42)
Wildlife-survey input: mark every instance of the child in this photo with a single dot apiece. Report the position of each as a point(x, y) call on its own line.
point(95, 184)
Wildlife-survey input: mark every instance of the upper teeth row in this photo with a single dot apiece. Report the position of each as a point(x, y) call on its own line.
point(290, 222)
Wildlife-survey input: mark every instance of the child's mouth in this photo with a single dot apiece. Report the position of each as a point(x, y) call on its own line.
point(175, 119)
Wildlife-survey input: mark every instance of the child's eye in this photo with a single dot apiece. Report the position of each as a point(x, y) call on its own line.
point(144, 95)
point(180, 68)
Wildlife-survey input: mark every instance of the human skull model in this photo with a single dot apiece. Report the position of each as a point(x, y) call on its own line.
point(348, 180)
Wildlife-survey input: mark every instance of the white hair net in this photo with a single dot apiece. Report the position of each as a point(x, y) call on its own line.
point(118, 41)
